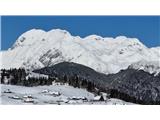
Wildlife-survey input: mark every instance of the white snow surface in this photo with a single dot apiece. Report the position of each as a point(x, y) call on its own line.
point(152, 67)
point(37, 95)
point(37, 48)
point(35, 75)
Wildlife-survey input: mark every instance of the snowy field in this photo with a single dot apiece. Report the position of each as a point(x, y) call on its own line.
point(54, 94)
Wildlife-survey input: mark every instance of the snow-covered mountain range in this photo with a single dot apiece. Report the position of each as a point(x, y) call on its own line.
point(37, 49)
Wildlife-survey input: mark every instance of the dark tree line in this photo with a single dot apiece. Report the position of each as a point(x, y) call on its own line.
point(114, 93)
point(31, 81)
point(13, 76)
point(18, 77)
point(76, 82)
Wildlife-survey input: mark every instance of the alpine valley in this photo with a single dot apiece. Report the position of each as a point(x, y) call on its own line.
point(122, 69)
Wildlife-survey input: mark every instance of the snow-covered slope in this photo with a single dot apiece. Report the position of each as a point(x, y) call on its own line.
point(41, 95)
point(153, 67)
point(37, 48)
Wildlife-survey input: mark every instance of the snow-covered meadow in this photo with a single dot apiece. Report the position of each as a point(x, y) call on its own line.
point(53, 94)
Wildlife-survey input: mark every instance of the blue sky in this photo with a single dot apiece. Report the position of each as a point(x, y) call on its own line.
point(145, 28)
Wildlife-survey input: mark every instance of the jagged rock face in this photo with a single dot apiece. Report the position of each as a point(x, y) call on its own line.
point(37, 49)
point(138, 84)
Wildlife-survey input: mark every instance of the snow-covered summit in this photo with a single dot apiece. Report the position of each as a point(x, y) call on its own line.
point(36, 35)
point(94, 37)
point(38, 48)
point(28, 38)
